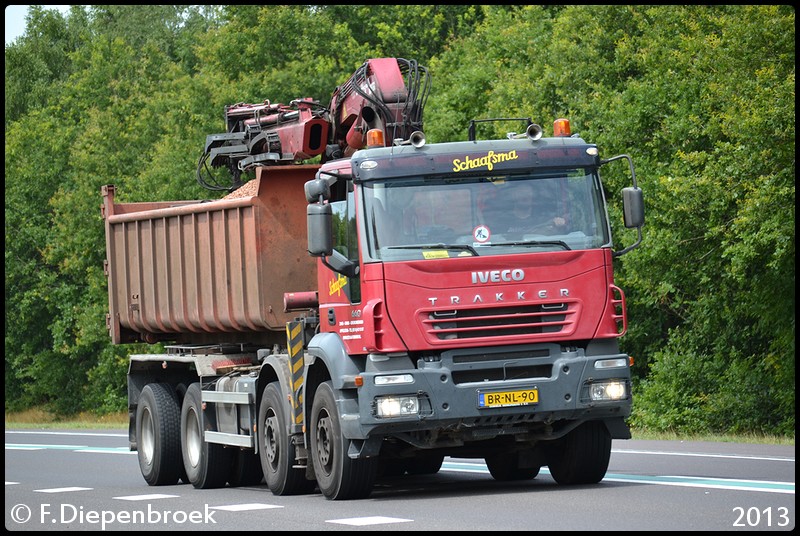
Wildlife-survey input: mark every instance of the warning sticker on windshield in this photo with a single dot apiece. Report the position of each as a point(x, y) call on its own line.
point(481, 234)
point(436, 254)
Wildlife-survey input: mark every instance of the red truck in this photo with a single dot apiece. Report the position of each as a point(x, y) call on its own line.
point(372, 314)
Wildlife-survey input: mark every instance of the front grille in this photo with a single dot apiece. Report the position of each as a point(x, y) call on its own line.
point(505, 373)
point(499, 321)
point(501, 363)
point(505, 355)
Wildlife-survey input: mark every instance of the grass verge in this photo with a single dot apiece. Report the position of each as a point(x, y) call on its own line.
point(37, 418)
point(757, 439)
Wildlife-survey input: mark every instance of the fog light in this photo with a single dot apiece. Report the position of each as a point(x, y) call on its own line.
point(394, 379)
point(610, 390)
point(396, 406)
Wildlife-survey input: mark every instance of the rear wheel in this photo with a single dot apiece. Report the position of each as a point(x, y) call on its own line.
point(276, 451)
point(207, 464)
point(581, 457)
point(339, 477)
point(506, 467)
point(158, 439)
point(180, 391)
point(245, 469)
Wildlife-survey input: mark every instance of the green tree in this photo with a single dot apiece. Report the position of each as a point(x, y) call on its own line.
point(40, 60)
point(418, 32)
point(33, 167)
point(115, 117)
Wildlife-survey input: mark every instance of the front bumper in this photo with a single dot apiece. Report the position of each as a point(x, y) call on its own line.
point(452, 391)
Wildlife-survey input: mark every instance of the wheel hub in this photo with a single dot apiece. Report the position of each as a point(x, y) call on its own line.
point(324, 446)
point(270, 443)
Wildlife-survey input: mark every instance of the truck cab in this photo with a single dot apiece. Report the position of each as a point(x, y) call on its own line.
point(470, 285)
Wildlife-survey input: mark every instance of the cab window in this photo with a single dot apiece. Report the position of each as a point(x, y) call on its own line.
point(345, 240)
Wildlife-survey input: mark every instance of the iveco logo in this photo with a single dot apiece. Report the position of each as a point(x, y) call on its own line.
point(497, 276)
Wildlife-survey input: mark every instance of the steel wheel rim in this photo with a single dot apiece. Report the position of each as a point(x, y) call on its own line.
point(270, 440)
point(147, 439)
point(193, 438)
point(324, 444)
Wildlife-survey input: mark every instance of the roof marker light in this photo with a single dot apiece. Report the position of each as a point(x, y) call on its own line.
point(375, 138)
point(561, 128)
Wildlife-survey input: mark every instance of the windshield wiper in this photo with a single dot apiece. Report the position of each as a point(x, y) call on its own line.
point(465, 247)
point(532, 243)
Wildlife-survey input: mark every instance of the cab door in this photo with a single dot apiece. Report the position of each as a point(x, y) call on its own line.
point(340, 295)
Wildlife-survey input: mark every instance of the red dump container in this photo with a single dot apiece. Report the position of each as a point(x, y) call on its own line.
point(213, 271)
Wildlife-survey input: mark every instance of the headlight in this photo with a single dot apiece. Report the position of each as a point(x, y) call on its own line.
point(396, 406)
point(607, 390)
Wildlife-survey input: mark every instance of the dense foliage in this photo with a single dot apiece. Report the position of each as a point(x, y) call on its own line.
point(702, 97)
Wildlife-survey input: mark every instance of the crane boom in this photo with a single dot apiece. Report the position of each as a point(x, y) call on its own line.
point(384, 93)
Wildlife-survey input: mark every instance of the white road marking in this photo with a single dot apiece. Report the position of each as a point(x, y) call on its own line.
point(146, 497)
point(244, 507)
point(702, 455)
point(372, 520)
point(87, 434)
point(62, 490)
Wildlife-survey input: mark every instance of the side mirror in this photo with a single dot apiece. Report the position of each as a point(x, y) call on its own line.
point(320, 229)
point(320, 240)
point(317, 188)
point(633, 206)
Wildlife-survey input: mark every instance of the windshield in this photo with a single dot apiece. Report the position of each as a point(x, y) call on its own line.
point(416, 218)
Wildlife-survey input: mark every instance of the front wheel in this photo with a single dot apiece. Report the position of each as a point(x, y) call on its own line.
point(581, 457)
point(339, 477)
point(276, 450)
point(207, 464)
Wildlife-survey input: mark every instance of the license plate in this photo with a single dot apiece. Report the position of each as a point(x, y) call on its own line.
point(502, 399)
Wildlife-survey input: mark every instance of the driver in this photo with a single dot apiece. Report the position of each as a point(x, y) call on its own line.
point(531, 212)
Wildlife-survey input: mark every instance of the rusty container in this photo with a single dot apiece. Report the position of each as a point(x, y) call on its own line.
point(209, 272)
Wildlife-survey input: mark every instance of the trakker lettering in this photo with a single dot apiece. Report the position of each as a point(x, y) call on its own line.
point(500, 296)
point(496, 276)
point(487, 161)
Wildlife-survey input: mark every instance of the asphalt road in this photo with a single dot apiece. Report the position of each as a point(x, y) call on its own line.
point(88, 480)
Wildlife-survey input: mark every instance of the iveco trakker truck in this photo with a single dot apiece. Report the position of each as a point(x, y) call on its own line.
point(404, 301)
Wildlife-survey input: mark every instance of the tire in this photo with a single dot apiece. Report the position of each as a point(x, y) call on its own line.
point(425, 465)
point(158, 440)
point(245, 469)
point(207, 464)
point(276, 450)
point(581, 457)
point(339, 477)
point(506, 468)
point(180, 390)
